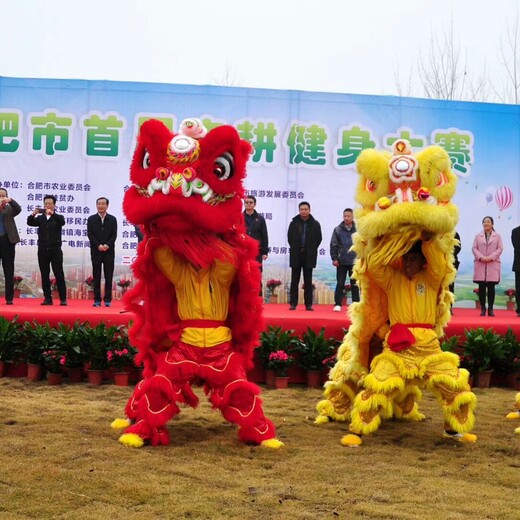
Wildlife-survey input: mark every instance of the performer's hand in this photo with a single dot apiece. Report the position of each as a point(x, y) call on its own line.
point(36, 211)
point(264, 257)
point(335, 263)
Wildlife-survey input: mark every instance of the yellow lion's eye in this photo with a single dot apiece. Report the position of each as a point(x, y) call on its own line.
point(370, 185)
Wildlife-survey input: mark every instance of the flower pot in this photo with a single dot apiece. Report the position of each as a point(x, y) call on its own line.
point(121, 378)
point(273, 298)
point(34, 372)
point(511, 379)
point(2, 368)
point(17, 293)
point(483, 379)
point(281, 382)
point(13, 369)
point(269, 378)
point(511, 306)
point(94, 377)
point(75, 374)
point(477, 304)
point(313, 378)
point(54, 379)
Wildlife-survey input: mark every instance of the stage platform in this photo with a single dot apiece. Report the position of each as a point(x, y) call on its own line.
point(28, 309)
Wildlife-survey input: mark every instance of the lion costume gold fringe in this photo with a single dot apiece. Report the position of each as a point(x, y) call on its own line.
point(404, 198)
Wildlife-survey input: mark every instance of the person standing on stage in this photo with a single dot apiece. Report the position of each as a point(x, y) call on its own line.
point(256, 228)
point(304, 237)
point(487, 248)
point(9, 237)
point(102, 233)
point(515, 240)
point(49, 225)
point(343, 258)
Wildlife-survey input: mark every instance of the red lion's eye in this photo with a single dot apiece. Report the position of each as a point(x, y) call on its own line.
point(370, 185)
point(224, 166)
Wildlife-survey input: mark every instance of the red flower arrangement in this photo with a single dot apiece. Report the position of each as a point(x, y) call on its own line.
point(90, 281)
point(273, 284)
point(124, 283)
point(510, 293)
point(280, 361)
point(475, 291)
point(17, 279)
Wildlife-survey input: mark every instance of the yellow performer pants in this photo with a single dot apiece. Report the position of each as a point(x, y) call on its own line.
point(393, 386)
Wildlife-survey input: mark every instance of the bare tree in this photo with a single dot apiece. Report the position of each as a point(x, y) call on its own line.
point(443, 72)
point(228, 78)
point(510, 60)
point(404, 90)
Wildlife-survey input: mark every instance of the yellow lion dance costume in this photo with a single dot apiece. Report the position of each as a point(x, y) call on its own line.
point(405, 201)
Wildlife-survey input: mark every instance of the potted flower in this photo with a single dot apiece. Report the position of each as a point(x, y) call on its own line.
point(279, 362)
point(121, 358)
point(346, 290)
point(17, 281)
point(477, 301)
point(313, 349)
point(272, 340)
point(101, 339)
point(511, 303)
point(124, 284)
point(38, 337)
point(89, 282)
point(54, 362)
point(73, 342)
point(12, 349)
point(272, 285)
point(483, 348)
point(509, 363)
point(54, 288)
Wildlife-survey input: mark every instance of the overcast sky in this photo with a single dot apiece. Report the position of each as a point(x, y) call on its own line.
point(329, 45)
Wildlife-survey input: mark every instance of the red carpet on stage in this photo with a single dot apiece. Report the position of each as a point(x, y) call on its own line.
point(28, 309)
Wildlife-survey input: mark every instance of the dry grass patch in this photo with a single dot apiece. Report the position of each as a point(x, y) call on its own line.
point(60, 459)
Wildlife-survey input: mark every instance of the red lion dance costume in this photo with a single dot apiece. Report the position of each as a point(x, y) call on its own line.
point(196, 303)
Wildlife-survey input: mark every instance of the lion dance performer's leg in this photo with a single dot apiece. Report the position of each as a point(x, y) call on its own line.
point(515, 415)
point(384, 384)
point(237, 399)
point(155, 400)
point(450, 385)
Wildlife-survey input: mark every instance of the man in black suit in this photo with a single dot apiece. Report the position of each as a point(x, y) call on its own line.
point(49, 225)
point(515, 239)
point(9, 237)
point(102, 233)
point(257, 229)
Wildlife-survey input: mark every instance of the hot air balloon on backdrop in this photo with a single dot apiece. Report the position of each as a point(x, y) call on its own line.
point(503, 197)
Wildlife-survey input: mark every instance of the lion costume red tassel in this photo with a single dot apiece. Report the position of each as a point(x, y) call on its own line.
point(197, 311)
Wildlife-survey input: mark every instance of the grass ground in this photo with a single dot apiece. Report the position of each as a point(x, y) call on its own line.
point(59, 459)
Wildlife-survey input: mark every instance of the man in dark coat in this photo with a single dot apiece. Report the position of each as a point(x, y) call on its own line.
point(49, 225)
point(304, 237)
point(256, 228)
point(9, 237)
point(102, 233)
point(515, 239)
point(343, 258)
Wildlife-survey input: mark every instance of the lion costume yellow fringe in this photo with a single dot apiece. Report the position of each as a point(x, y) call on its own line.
point(404, 198)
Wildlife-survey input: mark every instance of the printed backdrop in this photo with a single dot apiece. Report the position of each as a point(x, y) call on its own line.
point(75, 139)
